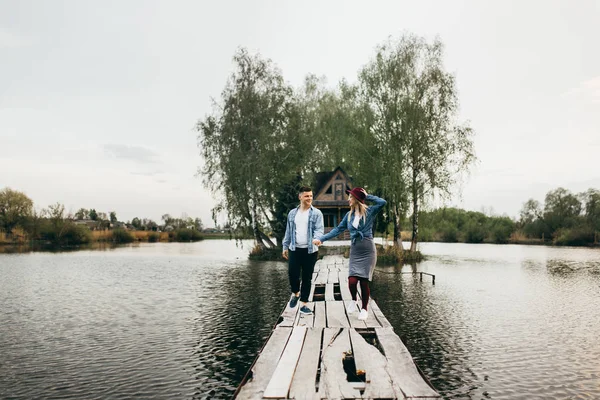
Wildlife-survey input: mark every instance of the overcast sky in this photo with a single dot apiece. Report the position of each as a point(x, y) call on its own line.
point(98, 99)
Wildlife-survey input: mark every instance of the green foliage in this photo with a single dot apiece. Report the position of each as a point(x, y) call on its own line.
point(579, 236)
point(591, 201)
point(64, 234)
point(399, 120)
point(82, 213)
point(153, 237)
point(500, 229)
point(392, 255)
point(122, 236)
point(567, 218)
point(93, 214)
point(260, 253)
point(251, 144)
point(474, 232)
point(448, 232)
point(537, 229)
point(15, 208)
point(186, 235)
point(75, 234)
point(531, 211)
point(561, 209)
point(287, 199)
point(137, 223)
point(455, 225)
point(427, 235)
point(416, 145)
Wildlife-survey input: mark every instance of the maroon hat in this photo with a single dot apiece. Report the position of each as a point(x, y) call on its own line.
point(358, 193)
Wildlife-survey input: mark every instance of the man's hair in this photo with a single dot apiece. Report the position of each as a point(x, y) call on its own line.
point(304, 189)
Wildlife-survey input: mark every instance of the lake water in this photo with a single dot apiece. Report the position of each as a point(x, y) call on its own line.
point(185, 321)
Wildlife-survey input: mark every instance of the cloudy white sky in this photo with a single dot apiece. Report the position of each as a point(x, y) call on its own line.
point(98, 99)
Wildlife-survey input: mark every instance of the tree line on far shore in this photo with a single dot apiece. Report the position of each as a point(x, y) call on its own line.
point(564, 218)
point(21, 222)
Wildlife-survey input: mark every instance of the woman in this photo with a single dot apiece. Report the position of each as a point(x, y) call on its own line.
point(363, 256)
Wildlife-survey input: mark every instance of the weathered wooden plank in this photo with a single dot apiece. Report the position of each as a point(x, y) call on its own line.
point(333, 276)
point(333, 383)
point(304, 381)
point(372, 321)
point(289, 315)
point(401, 367)
point(318, 265)
point(401, 372)
point(369, 359)
point(344, 290)
point(265, 364)
point(320, 320)
point(353, 317)
point(329, 292)
point(336, 315)
point(321, 277)
point(279, 385)
point(336, 259)
point(306, 320)
point(312, 292)
point(379, 315)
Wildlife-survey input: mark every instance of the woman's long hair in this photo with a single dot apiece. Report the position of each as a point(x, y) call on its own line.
point(360, 208)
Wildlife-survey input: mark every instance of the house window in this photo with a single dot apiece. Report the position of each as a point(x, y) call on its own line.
point(338, 191)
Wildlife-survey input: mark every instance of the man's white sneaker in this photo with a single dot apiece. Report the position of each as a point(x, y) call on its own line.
point(363, 314)
point(351, 308)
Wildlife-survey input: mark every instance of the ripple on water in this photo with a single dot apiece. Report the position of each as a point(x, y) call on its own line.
point(515, 327)
point(502, 322)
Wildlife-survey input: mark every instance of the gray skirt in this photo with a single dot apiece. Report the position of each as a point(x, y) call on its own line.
point(363, 257)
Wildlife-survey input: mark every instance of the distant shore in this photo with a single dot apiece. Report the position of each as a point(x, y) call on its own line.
point(119, 236)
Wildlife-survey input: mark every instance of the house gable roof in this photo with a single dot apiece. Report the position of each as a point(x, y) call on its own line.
point(325, 181)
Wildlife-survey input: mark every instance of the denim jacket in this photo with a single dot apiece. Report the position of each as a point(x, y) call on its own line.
point(365, 227)
point(315, 229)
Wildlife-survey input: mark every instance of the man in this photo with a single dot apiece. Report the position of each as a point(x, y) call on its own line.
point(303, 224)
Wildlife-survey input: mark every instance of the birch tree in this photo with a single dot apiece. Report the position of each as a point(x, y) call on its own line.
point(247, 146)
point(421, 147)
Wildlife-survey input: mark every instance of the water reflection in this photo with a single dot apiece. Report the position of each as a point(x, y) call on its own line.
point(424, 326)
point(44, 247)
point(171, 320)
point(501, 322)
point(245, 305)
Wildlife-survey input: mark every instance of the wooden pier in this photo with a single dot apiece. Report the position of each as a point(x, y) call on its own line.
point(331, 354)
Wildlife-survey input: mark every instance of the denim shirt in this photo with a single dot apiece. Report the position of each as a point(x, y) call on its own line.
point(365, 227)
point(315, 229)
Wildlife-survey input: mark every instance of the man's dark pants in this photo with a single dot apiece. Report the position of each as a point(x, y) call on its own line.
point(301, 264)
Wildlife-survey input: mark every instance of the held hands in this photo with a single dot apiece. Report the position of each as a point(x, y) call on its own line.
point(317, 242)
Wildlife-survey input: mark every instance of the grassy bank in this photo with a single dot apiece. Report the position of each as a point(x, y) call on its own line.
point(386, 255)
point(69, 234)
point(123, 236)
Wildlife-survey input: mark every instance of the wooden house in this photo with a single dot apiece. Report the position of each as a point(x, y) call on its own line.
point(330, 197)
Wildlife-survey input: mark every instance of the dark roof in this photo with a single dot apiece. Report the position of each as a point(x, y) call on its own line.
point(323, 177)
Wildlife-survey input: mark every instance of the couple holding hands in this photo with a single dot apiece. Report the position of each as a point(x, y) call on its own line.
point(304, 235)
